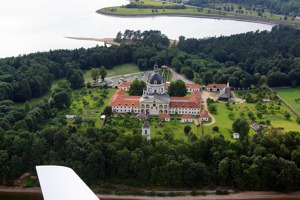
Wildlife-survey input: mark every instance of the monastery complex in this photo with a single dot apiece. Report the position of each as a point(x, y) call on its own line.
point(156, 101)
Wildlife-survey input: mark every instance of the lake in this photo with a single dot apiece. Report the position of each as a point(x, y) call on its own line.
point(40, 25)
point(11, 196)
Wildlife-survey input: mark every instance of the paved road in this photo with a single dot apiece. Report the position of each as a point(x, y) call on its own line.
point(177, 76)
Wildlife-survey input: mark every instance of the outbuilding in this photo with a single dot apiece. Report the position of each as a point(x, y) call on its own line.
point(186, 118)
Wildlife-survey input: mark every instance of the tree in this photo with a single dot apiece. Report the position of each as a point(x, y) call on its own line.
point(215, 128)
point(241, 126)
point(176, 64)
point(65, 84)
point(136, 88)
point(177, 88)
point(60, 98)
point(95, 74)
point(75, 77)
point(102, 72)
point(22, 92)
point(208, 77)
point(187, 129)
point(298, 120)
point(107, 111)
point(287, 115)
point(212, 108)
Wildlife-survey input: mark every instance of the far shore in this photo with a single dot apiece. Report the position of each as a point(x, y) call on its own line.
point(239, 196)
point(217, 17)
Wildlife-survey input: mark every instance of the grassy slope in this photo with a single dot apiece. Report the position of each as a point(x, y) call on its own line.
point(289, 95)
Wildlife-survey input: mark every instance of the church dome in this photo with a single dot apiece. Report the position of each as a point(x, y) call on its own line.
point(156, 79)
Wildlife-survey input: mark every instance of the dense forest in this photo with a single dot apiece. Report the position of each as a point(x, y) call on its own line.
point(263, 162)
point(285, 7)
point(40, 134)
point(244, 60)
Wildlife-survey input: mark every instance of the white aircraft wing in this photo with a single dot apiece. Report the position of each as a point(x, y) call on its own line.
point(62, 183)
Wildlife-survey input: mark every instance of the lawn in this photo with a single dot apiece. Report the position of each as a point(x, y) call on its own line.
point(168, 75)
point(122, 70)
point(289, 95)
point(127, 68)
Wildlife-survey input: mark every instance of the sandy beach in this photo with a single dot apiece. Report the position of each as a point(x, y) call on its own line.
point(108, 40)
point(241, 195)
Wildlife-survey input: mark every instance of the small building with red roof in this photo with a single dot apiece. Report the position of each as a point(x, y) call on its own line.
point(165, 116)
point(187, 118)
point(193, 87)
point(204, 115)
point(125, 85)
point(216, 87)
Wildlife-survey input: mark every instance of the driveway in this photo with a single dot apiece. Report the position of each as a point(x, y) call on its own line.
point(177, 76)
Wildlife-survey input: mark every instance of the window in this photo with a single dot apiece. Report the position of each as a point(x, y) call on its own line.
point(154, 105)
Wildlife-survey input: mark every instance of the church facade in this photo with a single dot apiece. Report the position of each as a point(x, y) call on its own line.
point(155, 101)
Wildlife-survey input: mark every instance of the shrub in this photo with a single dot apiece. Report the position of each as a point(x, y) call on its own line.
point(215, 128)
point(222, 192)
point(298, 120)
point(194, 193)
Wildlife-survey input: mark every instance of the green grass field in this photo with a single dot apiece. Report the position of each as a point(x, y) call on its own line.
point(289, 95)
point(122, 70)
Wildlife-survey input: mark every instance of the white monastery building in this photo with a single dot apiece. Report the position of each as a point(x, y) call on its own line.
point(155, 101)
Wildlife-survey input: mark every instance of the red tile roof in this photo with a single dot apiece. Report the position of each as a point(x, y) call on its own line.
point(220, 86)
point(186, 116)
point(125, 84)
point(204, 113)
point(184, 102)
point(164, 115)
point(120, 99)
point(193, 86)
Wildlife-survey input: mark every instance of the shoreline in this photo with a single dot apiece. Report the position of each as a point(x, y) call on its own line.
point(109, 41)
point(217, 17)
point(240, 196)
